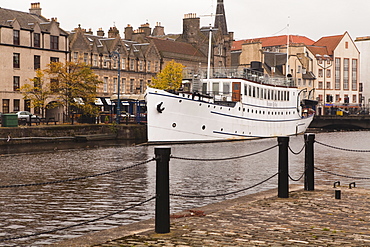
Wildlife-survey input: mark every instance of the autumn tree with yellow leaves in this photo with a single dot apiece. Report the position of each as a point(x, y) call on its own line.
point(170, 78)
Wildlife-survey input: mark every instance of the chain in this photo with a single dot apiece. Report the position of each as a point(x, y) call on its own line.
point(336, 174)
point(296, 180)
point(226, 194)
point(343, 149)
point(76, 179)
point(291, 150)
point(79, 224)
point(221, 159)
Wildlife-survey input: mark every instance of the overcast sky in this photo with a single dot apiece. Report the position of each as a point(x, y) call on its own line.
point(246, 18)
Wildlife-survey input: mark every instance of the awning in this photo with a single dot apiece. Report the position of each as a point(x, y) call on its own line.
point(98, 101)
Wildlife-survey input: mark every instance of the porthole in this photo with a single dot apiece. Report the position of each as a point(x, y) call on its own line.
point(221, 108)
point(174, 125)
point(239, 108)
point(200, 104)
point(243, 109)
point(214, 106)
point(209, 106)
point(222, 129)
point(203, 127)
point(180, 100)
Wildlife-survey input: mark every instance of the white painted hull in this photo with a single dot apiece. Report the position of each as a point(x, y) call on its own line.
point(186, 120)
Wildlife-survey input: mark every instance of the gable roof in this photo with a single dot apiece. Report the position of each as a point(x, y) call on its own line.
point(331, 42)
point(26, 20)
point(273, 41)
point(171, 46)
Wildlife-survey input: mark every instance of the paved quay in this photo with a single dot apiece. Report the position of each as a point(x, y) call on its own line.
point(306, 218)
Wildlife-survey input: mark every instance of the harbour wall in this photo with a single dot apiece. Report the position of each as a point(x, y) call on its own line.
point(80, 132)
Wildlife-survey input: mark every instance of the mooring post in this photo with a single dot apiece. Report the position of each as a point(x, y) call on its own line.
point(162, 203)
point(283, 178)
point(309, 178)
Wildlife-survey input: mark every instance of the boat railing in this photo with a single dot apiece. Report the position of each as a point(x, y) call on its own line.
point(243, 73)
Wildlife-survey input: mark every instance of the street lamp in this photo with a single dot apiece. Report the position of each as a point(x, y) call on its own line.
point(324, 63)
point(116, 55)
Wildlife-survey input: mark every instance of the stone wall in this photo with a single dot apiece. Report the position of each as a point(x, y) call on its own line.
point(31, 134)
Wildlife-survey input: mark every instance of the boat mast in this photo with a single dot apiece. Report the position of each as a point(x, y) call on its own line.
point(287, 51)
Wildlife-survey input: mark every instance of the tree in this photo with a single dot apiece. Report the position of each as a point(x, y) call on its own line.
point(38, 92)
point(72, 82)
point(170, 78)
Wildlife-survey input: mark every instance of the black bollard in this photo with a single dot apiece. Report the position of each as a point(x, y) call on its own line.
point(162, 203)
point(309, 179)
point(283, 179)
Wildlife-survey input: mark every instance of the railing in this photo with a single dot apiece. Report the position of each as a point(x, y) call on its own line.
point(162, 195)
point(244, 73)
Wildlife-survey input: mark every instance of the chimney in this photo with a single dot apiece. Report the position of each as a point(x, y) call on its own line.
point(158, 30)
point(35, 9)
point(89, 32)
point(191, 27)
point(100, 32)
point(145, 28)
point(128, 32)
point(113, 32)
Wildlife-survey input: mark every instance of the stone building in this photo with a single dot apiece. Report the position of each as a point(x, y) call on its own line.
point(29, 42)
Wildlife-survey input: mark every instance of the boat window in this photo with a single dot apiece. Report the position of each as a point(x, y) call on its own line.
point(258, 92)
point(226, 88)
point(215, 88)
point(254, 91)
point(287, 98)
point(204, 88)
point(245, 89)
point(250, 90)
point(278, 95)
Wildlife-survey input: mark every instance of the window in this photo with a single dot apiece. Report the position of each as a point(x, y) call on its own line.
point(320, 85)
point(354, 98)
point(54, 59)
point(132, 85)
point(16, 37)
point(354, 74)
point(95, 60)
point(54, 42)
point(123, 85)
point(27, 105)
point(54, 85)
point(156, 66)
point(132, 64)
point(337, 73)
point(226, 88)
point(141, 86)
point(123, 63)
point(299, 69)
point(328, 73)
point(345, 74)
point(337, 98)
point(215, 88)
point(328, 86)
point(37, 83)
point(16, 60)
point(105, 84)
point(115, 85)
point(6, 105)
point(16, 105)
point(321, 73)
point(36, 40)
point(86, 58)
point(75, 56)
point(105, 61)
point(346, 44)
point(141, 65)
point(16, 81)
point(36, 62)
point(149, 64)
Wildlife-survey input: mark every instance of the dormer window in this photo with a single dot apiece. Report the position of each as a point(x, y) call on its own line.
point(54, 42)
point(36, 40)
point(16, 37)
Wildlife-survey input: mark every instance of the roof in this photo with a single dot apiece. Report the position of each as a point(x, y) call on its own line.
point(26, 20)
point(318, 50)
point(331, 42)
point(273, 41)
point(172, 46)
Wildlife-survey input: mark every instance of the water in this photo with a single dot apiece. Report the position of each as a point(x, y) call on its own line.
point(28, 210)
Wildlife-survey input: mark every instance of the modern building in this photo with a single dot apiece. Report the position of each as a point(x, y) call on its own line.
point(28, 41)
point(363, 44)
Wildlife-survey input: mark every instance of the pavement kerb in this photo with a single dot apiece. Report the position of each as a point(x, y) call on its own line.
point(147, 226)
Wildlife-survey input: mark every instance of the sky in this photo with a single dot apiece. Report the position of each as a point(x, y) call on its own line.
point(246, 18)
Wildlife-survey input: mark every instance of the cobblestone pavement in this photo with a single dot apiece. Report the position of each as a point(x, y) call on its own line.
point(304, 219)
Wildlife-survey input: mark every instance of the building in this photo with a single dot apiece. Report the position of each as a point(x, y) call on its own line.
point(28, 41)
point(363, 44)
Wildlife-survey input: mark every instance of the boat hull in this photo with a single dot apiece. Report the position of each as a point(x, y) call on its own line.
point(180, 118)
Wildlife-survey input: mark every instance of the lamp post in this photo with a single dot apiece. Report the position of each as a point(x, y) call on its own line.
point(324, 66)
point(116, 55)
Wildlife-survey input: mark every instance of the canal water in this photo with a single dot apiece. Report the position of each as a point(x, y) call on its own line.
point(34, 209)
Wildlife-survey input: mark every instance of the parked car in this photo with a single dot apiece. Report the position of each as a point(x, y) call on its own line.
point(25, 114)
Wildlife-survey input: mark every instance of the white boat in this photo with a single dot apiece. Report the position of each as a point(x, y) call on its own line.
point(227, 109)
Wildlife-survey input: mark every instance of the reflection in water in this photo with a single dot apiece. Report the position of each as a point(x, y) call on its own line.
point(27, 210)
